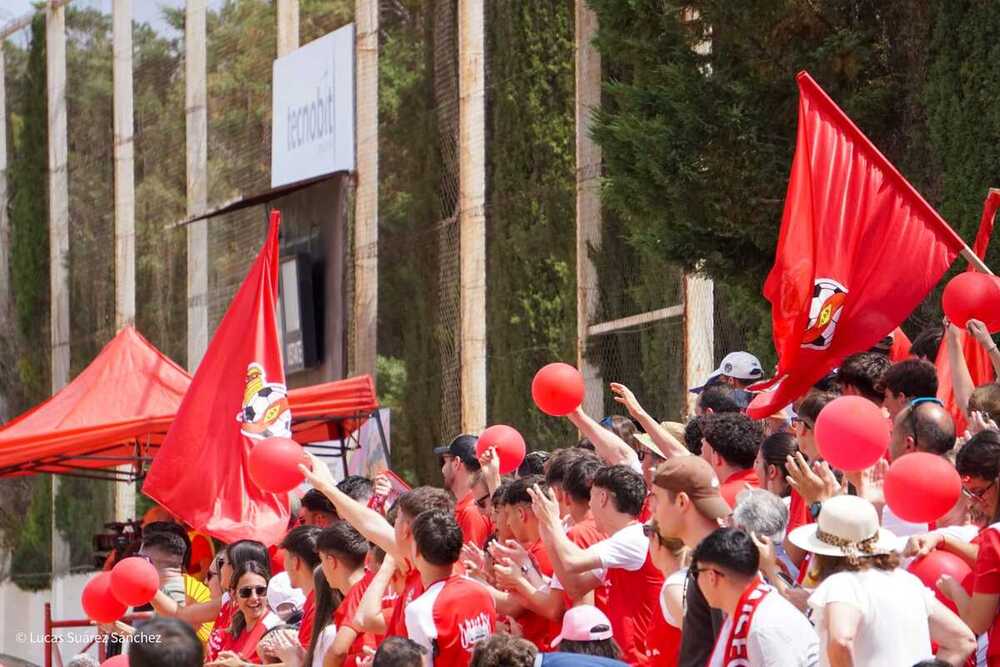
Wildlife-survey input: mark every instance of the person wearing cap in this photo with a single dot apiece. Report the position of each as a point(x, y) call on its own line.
point(738, 369)
point(587, 631)
point(616, 499)
point(866, 609)
point(458, 465)
point(283, 599)
point(730, 443)
point(762, 628)
point(687, 505)
point(504, 650)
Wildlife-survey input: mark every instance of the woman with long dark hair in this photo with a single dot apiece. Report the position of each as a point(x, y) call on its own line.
point(323, 632)
point(251, 618)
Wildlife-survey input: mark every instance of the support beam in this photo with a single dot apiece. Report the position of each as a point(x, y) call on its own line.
point(6, 322)
point(288, 26)
point(55, 55)
point(197, 180)
point(124, 493)
point(365, 311)
point(699, 333)
point(634, 320)
point(588, 201)
point(472, 212)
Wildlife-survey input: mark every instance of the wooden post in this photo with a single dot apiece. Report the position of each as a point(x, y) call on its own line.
point(288, 26)
point(124, 204)
point(699, 333)
point(6, 323)
point(588, 200)
point(55, 52)
point(365, 315)
point(197, 180)
point(472, 212)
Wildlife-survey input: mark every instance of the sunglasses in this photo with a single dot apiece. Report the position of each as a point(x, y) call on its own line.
point(695, 570)
point(247, 591)
point(643, 453)
point(978, 495)
point(481, 502)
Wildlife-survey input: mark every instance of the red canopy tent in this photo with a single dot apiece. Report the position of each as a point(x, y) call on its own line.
point(118, 409)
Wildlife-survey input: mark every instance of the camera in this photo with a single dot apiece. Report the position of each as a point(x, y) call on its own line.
point(121, 538)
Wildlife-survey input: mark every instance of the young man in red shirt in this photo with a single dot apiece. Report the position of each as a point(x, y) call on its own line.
point(395, 539)
point(342, 552)
point(299, 552)
point(454, 613)
point(616, 500)
point(458, 464)
point(729, 443)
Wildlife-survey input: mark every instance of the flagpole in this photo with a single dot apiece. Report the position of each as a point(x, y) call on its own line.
point(974, 260)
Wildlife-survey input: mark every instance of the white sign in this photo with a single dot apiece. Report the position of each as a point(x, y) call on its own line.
point(312, 133)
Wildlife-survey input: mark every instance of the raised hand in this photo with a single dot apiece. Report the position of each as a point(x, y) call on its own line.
point(317, 473)
point(624, 395)
point(545, 507)
point(814, 483)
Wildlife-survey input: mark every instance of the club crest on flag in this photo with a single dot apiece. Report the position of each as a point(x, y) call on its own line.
point(824, 312)
point(265, 412)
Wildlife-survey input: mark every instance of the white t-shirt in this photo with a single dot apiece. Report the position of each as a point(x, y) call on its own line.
point(627, 550)
point(893, 630)
point(779, 635)
point(323, 644)
point(674, 579)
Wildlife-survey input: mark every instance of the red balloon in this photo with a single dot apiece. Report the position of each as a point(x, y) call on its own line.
point(274, 464)
point(509, 444)
point(98, 601)
point(921, 487)
point(557, 389)
point(851, 433)
point(120, 660)
point(929, 569)
point(972, 295)
point(134, 581)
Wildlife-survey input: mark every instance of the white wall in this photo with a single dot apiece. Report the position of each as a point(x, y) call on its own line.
point(22, 619)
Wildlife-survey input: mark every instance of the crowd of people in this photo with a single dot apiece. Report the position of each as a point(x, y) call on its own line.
point(721, 541)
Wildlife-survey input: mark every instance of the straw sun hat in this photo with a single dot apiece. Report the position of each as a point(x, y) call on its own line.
point(847, 526)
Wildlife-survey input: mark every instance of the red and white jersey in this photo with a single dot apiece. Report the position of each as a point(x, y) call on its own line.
point(450, 618)
point(411, 590)
point(634, 597)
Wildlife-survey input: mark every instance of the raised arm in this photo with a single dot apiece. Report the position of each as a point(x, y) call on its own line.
point(365, 520)
point(192, 614)
point(983, 337)
point(369, 613)
point(573, 565)
point(667, 443)
point(961, 379)
point(612, 449)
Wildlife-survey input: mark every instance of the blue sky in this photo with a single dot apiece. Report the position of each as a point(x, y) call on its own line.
point(147, 11)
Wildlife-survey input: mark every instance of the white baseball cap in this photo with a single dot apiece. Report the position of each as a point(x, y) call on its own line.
point(280, 591)
point(739, 365)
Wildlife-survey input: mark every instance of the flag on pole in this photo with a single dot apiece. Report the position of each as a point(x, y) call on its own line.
point(859, 248)
point(976, 358)
point(236, 398)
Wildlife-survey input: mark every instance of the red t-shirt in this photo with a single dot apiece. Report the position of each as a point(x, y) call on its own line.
point(798, 512)
point(986, 580)
point(662, 643)
point(736, 483)
point(308, 619)
point(344, 618)
point(647, 511)
point(635, 588)
point(584, 535)
point(413, 588)
point(537, 629)
point(450, 618)
point(475, 527)
point(218, 636)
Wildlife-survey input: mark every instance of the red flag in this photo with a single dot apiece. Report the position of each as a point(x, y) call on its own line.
point(859, 248)
point(237, 396)
point(976, 358)
point(901, 345)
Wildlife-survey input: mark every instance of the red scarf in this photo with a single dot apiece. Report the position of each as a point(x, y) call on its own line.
point(736, 645)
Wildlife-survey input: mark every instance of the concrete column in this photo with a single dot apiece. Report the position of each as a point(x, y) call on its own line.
point(55, 53)
point(124, 494)
point(197, 179)
point(588, 200)
point(365, 315)
point(288, 26)
point(699, 333)
point(472, 212)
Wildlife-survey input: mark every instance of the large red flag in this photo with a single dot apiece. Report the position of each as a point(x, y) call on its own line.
point(859, 248)
point(976, 358)
point(237, 397)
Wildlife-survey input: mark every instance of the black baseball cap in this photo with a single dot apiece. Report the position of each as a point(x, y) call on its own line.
point(462, 447)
